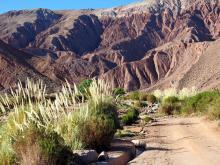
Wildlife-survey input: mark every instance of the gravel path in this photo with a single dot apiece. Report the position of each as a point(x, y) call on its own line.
point(181, 141)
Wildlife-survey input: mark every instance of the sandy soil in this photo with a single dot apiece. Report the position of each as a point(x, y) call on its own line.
point(181, 141)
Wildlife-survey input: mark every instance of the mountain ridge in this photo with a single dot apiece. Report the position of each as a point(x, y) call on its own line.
point(144, 45)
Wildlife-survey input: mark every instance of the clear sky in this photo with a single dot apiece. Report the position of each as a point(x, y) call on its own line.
point(6, 5)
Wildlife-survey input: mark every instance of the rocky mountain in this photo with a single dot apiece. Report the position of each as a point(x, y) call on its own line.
point(13, 67)
point(145, 45)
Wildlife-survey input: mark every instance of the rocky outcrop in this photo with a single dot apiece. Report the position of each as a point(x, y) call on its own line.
point(145, 45)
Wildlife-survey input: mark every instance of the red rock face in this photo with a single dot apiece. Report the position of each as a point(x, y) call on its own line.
point(139, 46)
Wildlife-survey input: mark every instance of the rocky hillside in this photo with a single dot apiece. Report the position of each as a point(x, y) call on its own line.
point(13, 67)
point(145, 45)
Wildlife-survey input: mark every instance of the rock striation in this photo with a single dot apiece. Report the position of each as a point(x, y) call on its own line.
point(145, 45)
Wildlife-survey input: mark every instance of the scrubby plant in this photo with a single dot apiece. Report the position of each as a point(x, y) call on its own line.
point(130, 117)
point(36, 146)
point(134, 95)
point(139, 104)
point(84, 86)
point(143, 96)
point(151, 99)
point(62, 122)
point(181, 94)
point(124, 133)
point(148, 119)
point(118, 92)
point(170, 106)
point(200, 103)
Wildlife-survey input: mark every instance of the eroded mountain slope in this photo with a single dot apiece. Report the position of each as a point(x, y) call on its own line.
point(148, 44)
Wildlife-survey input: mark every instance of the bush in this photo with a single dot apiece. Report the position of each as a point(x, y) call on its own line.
point(214, 110)
point(124, 133)
point(148, 119)
point(139, 104)
point(200, 103)
point(40, 130)
point(170, 106)
point(134, 96)
point(84, 86)
point(36, 147)
point(130, 117)
point(91, 127)
point(151, 99)
point(143, 97)
point(118, 92)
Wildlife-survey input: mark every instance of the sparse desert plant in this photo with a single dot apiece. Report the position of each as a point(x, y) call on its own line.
point(143, 96)
point(170, 106)
point(151, 99)
point(124, 133)
point(130, 117)
point(118, 92)
point(65, 116)
point(93, 125)
point(36, 146)
point(148, 119)
point(84, 86)
point(200, 103)
point(181, 94)
point(134, 95)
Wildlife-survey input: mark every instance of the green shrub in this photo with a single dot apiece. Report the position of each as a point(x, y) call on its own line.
point(200, 103)
point(170, 106)
point(214, 110)
point(147, 97)
point(139, 104)
point(148, 119)
point(130, 117)
point(151, 99)
point(134, 95)
point(91, 127)
point(118, 92)
point(38, 147)
point(123, 133)
point(143, 96)
point(84, 86)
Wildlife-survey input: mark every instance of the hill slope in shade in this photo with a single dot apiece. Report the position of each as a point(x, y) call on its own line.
point(144, 45)
point(13, 67)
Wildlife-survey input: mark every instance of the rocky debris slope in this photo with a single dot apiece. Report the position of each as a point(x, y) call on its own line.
point(143, 45)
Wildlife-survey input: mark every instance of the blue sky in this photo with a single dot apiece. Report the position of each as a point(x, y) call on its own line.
point(6, 5)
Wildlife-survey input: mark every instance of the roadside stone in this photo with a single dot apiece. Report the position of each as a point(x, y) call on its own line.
point(87, 156)
point(103, 156)
point(140, 143)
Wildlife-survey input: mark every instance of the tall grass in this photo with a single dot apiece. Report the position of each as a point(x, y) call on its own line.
point(89, 122)
point(172, 92)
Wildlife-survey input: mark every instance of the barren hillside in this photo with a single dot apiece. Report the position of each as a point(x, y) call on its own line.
point(145, 45)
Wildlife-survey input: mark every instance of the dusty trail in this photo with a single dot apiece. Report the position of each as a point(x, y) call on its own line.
point(181, 141)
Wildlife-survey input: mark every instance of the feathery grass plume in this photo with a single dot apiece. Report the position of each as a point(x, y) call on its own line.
point(173, 92)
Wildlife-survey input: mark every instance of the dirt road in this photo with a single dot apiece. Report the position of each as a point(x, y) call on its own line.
point(181, 141)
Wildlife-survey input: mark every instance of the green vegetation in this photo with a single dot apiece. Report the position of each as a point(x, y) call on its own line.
point(133, 95)
point(45, 131)
point(201, 103)
point(150, 98)
point(130, 117)
point(84, 86)
point(123, 133)
point(118, 92)
point(170, 106)
point(205, 103)
point(148, 119)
